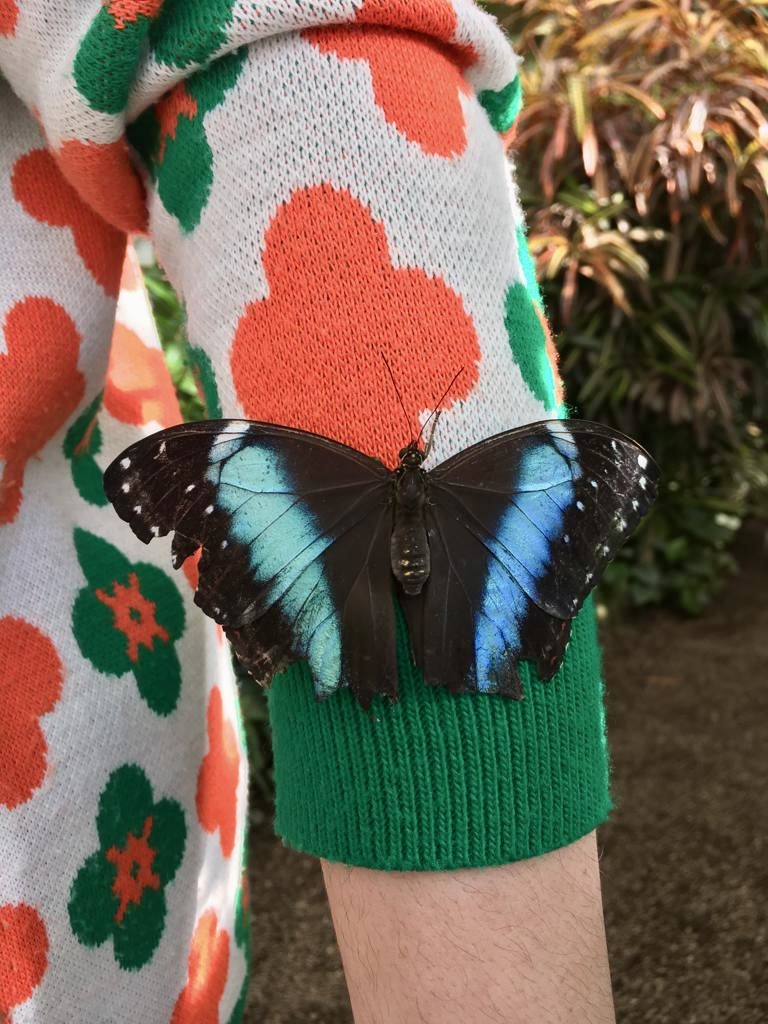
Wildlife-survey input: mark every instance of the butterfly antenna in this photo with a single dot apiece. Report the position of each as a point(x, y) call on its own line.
point(428, 447)
point(437, 410)
point(399, 396)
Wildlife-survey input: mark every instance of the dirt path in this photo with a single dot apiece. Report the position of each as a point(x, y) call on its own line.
point(685, 857)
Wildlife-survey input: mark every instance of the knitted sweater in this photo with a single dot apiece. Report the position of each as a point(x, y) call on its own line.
point(322, 181)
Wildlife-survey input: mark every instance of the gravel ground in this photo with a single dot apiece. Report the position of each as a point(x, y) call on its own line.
point(684, 857)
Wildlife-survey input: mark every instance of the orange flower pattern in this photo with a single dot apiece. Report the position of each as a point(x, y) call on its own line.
point(40, 388)
point(133, 869)
point(30, 686)
point(368, 308)
point(218, 776)
point(106, 179)
point(9, 14)
point(127, 12)
point(198, 1002)
point(46, 195)
point(133, 615)
point(416, 70)
point(23, 955)
point(139, 388)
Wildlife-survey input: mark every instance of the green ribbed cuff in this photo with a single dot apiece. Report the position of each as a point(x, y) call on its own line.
point(438, 780)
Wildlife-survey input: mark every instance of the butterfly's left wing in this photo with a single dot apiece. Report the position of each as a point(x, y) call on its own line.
point(294, 530)
point(520, 528)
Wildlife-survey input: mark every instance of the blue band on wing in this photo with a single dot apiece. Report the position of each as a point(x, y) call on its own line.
point(543, 491)
point(255, 488)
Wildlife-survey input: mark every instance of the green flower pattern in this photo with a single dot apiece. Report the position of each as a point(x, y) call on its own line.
point(242, 928)
point(170, 137)
point(527, 340)
point(503, 105)
point(205, 379)
point(81, 444)
point(119, 891)
point(127, 619)
point(105, 64)
point(243, 940)
point(529, 267)
point(172, 42)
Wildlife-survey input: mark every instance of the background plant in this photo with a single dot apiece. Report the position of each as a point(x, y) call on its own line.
point(642, 157)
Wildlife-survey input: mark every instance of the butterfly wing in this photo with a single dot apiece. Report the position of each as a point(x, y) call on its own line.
point(294, 530)
point(520, 528)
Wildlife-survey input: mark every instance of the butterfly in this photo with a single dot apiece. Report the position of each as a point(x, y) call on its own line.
point(306, 542)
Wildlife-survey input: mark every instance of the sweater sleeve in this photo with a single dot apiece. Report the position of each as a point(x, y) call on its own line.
point(323, 183)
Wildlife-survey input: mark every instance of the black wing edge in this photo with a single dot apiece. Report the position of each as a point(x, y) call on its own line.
point(504, 437)
point(152, 448)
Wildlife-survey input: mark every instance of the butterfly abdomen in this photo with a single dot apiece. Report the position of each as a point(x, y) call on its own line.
point(409, 547)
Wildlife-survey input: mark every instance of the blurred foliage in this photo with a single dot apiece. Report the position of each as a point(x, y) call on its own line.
point(253, 708)
point(642, 159)
point(169, 316)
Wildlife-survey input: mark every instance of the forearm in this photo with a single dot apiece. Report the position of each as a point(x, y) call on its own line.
point(522, 942)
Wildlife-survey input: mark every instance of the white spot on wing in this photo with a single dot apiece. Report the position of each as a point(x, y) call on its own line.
point(137, 509)
point(125, 488)
point(642, 481)
point(125, 463)
point(189, 488)
point(642, 461)
point(208, 510)
point(580, 506)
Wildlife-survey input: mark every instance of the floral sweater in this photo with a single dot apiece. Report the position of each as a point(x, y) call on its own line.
point(322, 180)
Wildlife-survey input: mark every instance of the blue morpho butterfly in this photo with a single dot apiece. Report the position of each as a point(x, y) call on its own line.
point(494, 550)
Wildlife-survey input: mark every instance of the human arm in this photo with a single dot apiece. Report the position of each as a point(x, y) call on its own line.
point(317, 194)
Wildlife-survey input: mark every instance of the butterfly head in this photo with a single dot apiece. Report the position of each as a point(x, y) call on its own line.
point(411, 457)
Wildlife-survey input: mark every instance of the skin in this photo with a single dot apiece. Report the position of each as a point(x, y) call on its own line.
point(520, 943)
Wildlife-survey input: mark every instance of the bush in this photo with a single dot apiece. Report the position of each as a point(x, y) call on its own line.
point(642, 156)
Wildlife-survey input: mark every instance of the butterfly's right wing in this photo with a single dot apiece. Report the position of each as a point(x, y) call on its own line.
point(294, 530)
point(521, 527)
